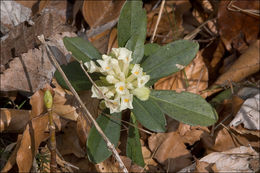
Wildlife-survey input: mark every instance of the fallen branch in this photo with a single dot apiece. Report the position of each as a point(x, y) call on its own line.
point(100, 131)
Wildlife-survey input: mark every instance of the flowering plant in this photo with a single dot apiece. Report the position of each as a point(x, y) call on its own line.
point(124, 78)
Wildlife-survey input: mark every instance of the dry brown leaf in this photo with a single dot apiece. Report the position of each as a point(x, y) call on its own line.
point(23, 37)
point(63, 103)
point(170, 151)
point(217, 55)
point(235, 160)
point(239, 28)
point(5, 119)
point(147, 155)
point(12, 14)
point(170, 26)
point(241, 130)
point(13, 120)
point(12, 158)
point(68, 142)
point(249, 113)
point(228, 139)
point(202, 166)
point(34, 5)
point(112, 43)
point(33, 135)
point(33, 69)
point(191, 134)
point(83, 164)
point(100, 41)
point(247, 64)
point(98, 13)
point(28, 73)
point(197, 78)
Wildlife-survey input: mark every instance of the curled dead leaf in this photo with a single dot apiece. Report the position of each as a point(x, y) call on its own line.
point(13, 120)
point(170, 151)
point(98, 13)
point(236, 160)
point(33, 135)
point(68, 142)
point(247, 64)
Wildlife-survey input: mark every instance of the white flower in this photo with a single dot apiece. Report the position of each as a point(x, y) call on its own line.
point(142, 93)
point(115, 65)
point(92, 67)
point(123, 54)
point(137, 70)
point(126, 102)
point(141, 81)
point(111, 79)
point(121, 88)
point(109, 94)
point(105, 57)
point(96, 93)
point(122, 80)
point(113, 105)
point(106, 66)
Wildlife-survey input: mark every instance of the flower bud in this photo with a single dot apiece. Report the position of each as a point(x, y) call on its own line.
point(142, 93)
point(48, 99)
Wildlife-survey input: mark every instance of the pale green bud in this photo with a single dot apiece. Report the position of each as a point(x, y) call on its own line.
point(102, 105)
point(48, 99)
point(142, 93)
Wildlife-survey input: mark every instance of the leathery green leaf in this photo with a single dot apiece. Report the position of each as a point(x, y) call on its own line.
point(96, 146)
point(186, 107)
point(148, 113)
point(169, 59)
point(132, 20)
point(81, 49)
point(76, 76)
point(133, 147)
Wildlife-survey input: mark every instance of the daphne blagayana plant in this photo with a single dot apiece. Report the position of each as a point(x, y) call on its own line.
point(123, 81)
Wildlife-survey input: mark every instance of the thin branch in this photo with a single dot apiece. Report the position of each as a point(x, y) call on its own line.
point(158, 20)
point(100, 131)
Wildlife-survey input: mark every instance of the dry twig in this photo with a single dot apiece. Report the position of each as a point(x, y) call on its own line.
point(158, 20)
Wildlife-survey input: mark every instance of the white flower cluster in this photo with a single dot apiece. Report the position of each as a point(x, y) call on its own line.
point(123, 80)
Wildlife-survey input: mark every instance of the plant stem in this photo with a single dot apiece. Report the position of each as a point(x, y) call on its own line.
point(53, 164)
point(109, 144)
point(48, 101)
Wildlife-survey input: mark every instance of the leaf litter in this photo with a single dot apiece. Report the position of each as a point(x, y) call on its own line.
point(182, 145)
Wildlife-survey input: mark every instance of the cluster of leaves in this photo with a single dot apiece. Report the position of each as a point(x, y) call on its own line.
point(157, 61)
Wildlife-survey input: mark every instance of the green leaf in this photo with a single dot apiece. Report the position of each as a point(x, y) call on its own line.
point(96, 146)
point(136, 45)
point(76, 76)
point(148, 113)
point(132, 20)
point(163, 62)
point(81, 49)
point(186, 107)
point(133, 147)
point(150, 48)
point(226, 94)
